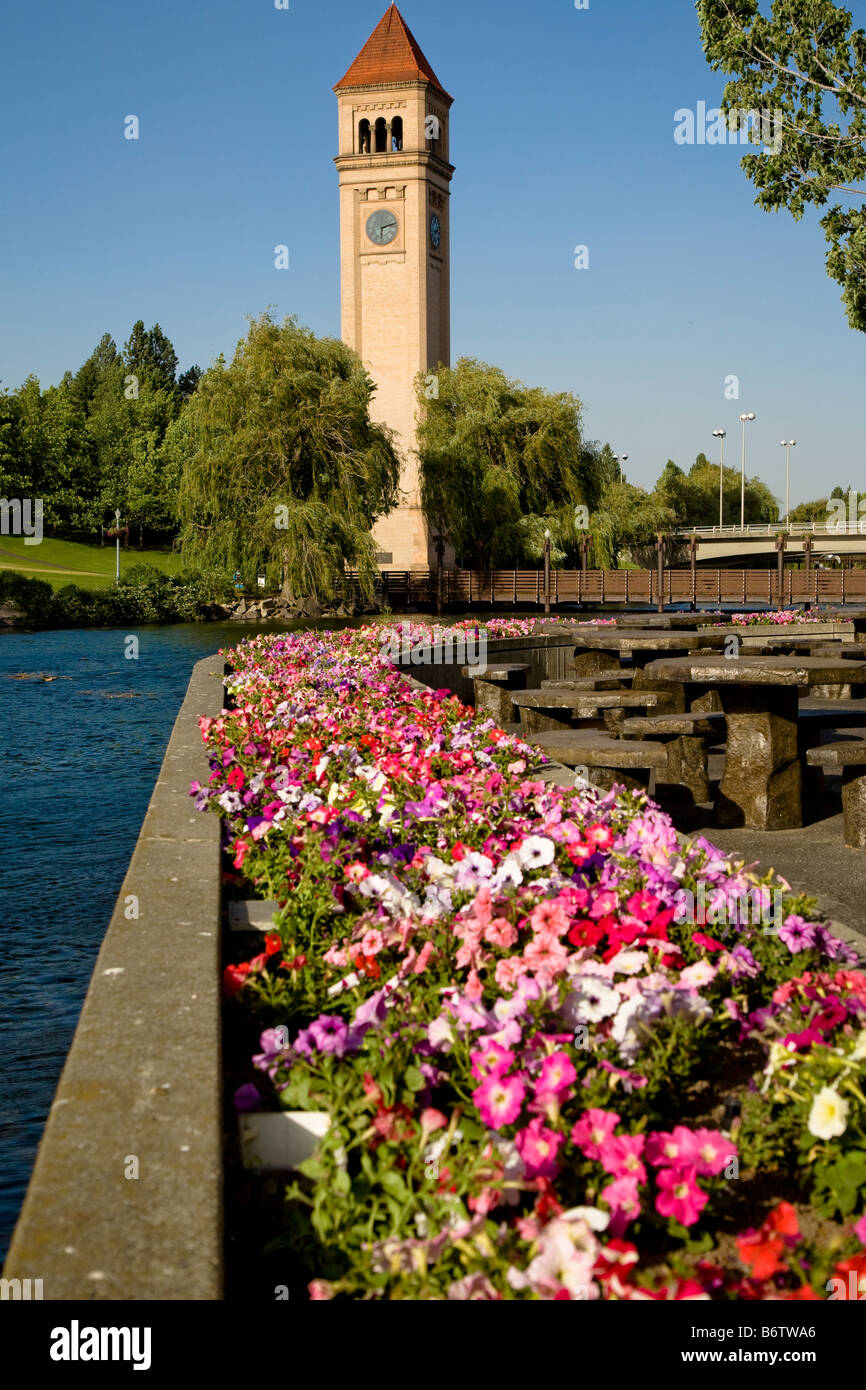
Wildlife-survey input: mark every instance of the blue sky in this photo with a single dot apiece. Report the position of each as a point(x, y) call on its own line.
point(562, 135)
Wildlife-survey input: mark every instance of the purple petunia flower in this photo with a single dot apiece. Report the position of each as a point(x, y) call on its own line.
point(746, 963)
point(797, 934)
point(329, 1034)
point(247, 1099)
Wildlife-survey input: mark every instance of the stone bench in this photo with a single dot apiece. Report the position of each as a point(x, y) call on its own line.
point(684, 737)
point(545, 711)
point(816, 715)
point(493, 689)
point(590, 663)
point(603, 680)
point(850, 760)
point(608, 761)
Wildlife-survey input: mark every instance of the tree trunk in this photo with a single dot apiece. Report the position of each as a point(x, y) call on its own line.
point(286, 592)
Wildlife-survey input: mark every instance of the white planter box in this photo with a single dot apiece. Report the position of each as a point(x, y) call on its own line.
point(252, 915)
point(276, 1143)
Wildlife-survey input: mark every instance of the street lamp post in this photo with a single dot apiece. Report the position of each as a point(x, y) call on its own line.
point(788, 445)
point(745, 419)
point(621, 459)
point(117, 528)
point(722, 435)
point(546, 571)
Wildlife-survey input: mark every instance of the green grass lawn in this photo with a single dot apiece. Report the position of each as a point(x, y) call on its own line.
point(68, 562)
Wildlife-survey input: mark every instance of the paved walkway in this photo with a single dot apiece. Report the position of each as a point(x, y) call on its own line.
point(814, 860)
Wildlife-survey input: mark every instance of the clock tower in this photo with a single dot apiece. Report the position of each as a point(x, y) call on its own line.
point(395, 249)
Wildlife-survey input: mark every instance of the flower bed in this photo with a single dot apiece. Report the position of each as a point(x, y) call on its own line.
point(542, 1082)
point(782, 619)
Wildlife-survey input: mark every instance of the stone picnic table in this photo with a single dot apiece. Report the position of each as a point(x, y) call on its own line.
point(642, 644)
point(762, 783)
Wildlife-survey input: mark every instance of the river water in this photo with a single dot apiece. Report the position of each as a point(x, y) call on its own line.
point(81, 755)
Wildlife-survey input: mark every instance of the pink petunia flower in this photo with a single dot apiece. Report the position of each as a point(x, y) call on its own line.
point(499, 1100)
point(712, 1152)
point(676, 1149)
point(538, 1146)
point(679, 1195)
point(491, 1060)
point(501, 932)
point(621, 1155)
point(622, 1197)
point(371, 942)
point(549, 916)
point(557, 1073)
point(643, 905)
point(594, 1129)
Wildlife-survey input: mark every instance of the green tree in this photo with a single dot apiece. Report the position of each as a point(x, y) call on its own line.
point(501, 463)
point(283, 466)
point(50, 454)
point(189, 380)
point(150, 357)
point(625, 527)
point(810, 511)
point(807, 63)
point(694, 497)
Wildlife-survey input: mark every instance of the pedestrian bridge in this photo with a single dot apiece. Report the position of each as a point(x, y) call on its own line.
point(718, 545)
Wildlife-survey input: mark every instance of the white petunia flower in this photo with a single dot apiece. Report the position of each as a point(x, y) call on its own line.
point(828, 1118)
point(628, 962)
point(509, 872)
point(590, 1001)
point(536, 852)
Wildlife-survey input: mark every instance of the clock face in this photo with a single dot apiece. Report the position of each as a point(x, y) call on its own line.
point(382, 227)
point(435, 232)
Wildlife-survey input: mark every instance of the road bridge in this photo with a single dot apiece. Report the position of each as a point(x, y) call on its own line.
point(749, 546)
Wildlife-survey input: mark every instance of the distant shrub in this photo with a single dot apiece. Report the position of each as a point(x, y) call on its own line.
point(23, 593)
point(144, 595)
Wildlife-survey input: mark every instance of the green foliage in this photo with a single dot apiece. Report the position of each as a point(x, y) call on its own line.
point(501, 463)
point(97, 441)
point(805, 61)
point(28, 595)
point(144, 595)
point(810, 511)
point(283, 469)
point(840, 1183)
point(694, 497)
point(628, 520)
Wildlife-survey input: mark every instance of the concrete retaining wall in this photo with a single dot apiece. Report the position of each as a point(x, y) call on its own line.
point(550, 656)
point(126, 1200)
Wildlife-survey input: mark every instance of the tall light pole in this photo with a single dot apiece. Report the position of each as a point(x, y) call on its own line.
point(722, 435)
point(788, 445)
point(547, 571)
point(745, 419)
point(621, 459)
point(117, 528)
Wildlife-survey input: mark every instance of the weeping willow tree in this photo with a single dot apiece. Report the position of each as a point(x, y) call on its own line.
point(284, 471)
point(501, 463)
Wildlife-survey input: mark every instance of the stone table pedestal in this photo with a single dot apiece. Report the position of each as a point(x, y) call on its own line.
point(762, 782)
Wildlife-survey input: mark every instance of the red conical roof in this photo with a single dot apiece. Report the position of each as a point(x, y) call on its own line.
point(391, 54)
